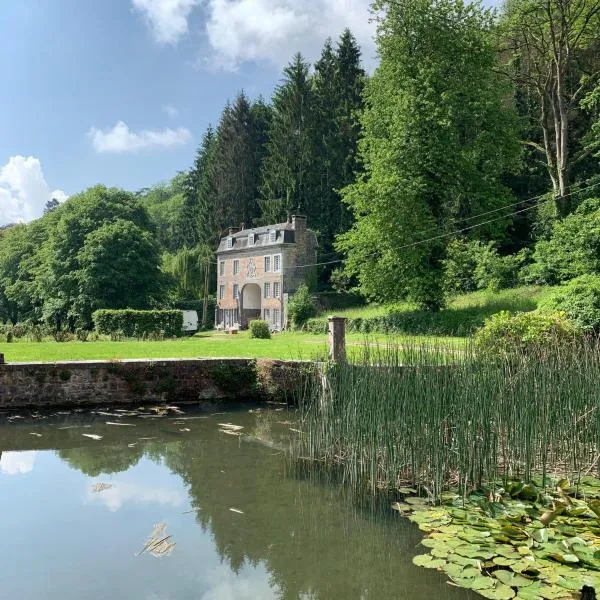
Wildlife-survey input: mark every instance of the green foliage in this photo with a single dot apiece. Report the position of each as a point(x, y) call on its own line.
point(572, 250)
point(259, 329)
point(504, 334)
point(139, 323)
point(579, 301)
point(438, 139)
point(301, 307)
point(288, 175)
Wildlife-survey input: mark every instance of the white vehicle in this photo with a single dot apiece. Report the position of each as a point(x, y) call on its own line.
point(190, 321)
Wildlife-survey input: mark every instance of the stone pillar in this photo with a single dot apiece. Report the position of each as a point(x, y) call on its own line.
point(337, 339)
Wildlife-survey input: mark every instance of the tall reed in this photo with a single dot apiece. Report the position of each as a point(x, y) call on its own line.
point(435, 417)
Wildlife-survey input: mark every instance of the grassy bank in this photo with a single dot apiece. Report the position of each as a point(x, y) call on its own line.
point(461, 317)
point(288, 345)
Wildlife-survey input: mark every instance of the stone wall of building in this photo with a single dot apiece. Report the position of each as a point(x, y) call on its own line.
point(95, 383)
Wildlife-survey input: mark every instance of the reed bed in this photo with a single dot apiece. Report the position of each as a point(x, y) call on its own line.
point(429, 417)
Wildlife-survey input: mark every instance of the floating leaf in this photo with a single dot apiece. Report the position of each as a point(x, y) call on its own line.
point(540, 535)
point(499, 592)
point(511, 579)
point(424, 560)
point(401, 507)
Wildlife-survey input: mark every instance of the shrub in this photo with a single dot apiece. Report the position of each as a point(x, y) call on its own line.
point(473, 265)
point(573, 248)
point(504, 334)
point(82, 334)
point(62, 336)
point(259, 329)
point(139, 323)
point(579, 300)
point(301, 307)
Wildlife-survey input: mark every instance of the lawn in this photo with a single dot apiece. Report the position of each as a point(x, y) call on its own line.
point(289, 345)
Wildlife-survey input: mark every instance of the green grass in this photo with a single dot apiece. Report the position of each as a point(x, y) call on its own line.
point(461, 317)
point(285, 346)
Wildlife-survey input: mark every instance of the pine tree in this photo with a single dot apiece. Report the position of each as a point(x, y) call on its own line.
point(338, 83)
point(288, 176)
point(199, 219)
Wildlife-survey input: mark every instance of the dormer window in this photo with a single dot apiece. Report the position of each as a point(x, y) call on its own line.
point(251, 240)
point(229, 242)
point(273, 236)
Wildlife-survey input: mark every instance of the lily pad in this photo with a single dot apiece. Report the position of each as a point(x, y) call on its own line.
point(424, 560)
point(498, 592)
point(511, 579)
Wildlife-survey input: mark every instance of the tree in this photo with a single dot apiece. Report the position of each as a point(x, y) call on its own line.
point(338, 83)
point(51, 205)
point(288, 177)
point(118, 267)
point(550, 45)
point(438, 138)
point(199, 221)
point(238, 161)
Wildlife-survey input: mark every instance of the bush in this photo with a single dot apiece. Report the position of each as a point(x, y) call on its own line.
point(139, 323)
point(579, 300)
point(82, 334)
point(504, 334)
point(301, 307)
point(470, 266)
point(260, 330)
point(572, 250)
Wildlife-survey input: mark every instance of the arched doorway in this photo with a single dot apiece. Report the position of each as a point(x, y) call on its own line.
point(250, 304)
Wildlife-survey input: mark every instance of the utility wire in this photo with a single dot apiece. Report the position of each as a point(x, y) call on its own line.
point(456, 232)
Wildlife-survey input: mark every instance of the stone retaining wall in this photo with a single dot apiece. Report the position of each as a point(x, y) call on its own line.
point(144, 381)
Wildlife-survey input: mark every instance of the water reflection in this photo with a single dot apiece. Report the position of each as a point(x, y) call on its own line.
point(15, 463)
point(289, 539)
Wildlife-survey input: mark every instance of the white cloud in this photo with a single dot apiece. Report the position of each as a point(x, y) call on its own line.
point(274, 30)
point(168, 19)
point(15, 463)
point(170, 110)
point(120, 139)
point(24, 190)
point(133, 493)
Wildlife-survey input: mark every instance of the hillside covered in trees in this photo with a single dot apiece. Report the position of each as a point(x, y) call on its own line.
point(469, 159)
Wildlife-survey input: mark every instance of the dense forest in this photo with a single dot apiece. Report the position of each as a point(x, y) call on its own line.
point(470, 158)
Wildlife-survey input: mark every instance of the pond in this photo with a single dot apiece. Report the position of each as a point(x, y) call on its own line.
point(179, 507)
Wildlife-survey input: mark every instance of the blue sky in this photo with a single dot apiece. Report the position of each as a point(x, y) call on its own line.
point(120, 91)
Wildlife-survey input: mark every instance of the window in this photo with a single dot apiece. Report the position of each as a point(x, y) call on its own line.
point(267, 290)
point(222, 268)
point(236, 267)
point(277, 263)
point(273, 236)
point(267, 315)
point(276, 317)
point(276, 289)
point(267, 264)
point(221, 292)
point(236, 291)
point(230, 242)
point(251, 240)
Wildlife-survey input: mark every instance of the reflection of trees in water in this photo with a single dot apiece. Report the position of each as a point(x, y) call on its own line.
point(313, 544)
point(101, 459)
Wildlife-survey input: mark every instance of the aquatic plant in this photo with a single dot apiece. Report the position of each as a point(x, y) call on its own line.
point(431, 417)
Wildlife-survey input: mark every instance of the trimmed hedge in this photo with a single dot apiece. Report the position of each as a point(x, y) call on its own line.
point(139, 323)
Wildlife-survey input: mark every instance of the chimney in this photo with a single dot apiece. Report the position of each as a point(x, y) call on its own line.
point(242, 226)
point(298, 222)
point(233, 230)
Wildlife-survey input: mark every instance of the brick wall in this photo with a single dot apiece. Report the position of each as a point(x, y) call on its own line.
point(143, 381)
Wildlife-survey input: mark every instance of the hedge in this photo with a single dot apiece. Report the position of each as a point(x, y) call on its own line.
point(139, 323)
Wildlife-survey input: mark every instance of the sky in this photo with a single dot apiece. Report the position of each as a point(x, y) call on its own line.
point(120, 92)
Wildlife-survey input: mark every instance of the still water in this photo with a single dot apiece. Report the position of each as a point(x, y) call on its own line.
point(77, 515)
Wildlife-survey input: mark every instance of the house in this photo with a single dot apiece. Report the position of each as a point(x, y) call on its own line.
point(259, 269)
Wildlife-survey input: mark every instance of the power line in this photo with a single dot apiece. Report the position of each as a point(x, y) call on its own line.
point(456, 232)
